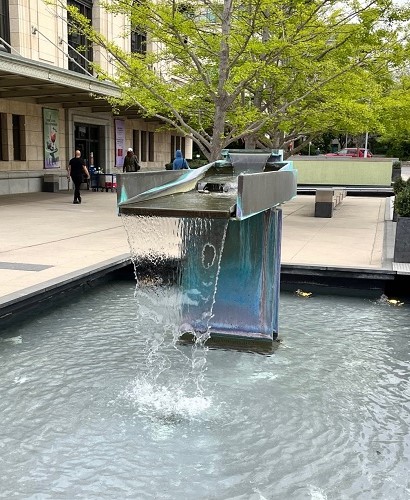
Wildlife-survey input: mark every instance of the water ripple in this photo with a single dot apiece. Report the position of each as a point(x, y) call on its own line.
point(98, 402)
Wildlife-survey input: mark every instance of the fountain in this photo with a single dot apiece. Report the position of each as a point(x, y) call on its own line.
point(228, 240)
point(96, 403)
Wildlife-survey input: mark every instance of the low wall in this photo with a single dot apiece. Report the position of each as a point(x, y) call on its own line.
point(17, 182)
point(343, 171)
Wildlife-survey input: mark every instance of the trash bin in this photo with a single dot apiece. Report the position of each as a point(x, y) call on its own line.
point(51, 183)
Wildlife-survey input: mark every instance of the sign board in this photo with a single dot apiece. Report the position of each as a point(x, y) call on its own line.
point(119, 143)
point(51, 138)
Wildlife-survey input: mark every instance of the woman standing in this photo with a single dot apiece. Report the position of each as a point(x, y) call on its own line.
point(131, 163)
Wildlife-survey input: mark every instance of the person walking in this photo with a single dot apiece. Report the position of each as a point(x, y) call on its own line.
point(179, 163)
point(76, 169)
point(131, 163)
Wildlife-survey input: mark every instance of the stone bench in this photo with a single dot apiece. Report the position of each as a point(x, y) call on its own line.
point(327, 199)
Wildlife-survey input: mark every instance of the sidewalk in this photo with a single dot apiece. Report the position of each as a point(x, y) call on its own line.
point(353, 237)
point(46, 239)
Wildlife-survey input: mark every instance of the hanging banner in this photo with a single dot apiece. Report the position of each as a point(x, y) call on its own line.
point(50, 134)
point(119, 142)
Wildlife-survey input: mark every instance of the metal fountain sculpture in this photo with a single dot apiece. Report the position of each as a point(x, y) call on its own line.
point(237, 199)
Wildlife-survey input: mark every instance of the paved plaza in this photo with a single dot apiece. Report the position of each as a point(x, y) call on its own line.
point(46, 239)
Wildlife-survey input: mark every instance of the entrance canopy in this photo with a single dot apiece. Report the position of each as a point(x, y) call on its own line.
point(44, 84)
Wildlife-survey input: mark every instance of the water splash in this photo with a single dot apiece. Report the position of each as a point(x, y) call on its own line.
point(177, 264)
point(316, 493)
point(170, 404)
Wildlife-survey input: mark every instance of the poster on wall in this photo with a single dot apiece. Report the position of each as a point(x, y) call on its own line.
point(119, 142)
point(50, 131)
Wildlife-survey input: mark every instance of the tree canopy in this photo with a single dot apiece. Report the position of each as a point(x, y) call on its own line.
point(266, 71)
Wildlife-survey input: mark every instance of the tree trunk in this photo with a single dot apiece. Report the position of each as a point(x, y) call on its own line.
point(277, 139)
point(217, 134)
point(221, 98)
point(250, 142)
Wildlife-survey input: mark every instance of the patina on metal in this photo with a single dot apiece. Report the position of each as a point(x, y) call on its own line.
point(237, 187)
point(237, 252)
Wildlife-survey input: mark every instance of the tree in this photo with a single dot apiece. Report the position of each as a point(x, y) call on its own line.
point(267, 71)
point(396, 113)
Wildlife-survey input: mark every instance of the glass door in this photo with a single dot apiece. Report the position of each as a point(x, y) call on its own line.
point(86, 139)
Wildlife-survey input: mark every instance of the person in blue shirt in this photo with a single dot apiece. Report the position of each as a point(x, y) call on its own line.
point(179, 163)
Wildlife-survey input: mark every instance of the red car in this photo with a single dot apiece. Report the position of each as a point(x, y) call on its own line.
point(357, 152)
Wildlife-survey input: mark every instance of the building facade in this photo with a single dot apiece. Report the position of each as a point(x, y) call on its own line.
point(51, 103)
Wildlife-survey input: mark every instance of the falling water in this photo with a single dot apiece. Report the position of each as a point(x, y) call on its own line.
point(174, 297)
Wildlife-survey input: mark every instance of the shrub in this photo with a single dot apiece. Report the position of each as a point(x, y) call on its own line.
point(396, 164)
point(402, 202)
point(197, 163)
point(398, 185)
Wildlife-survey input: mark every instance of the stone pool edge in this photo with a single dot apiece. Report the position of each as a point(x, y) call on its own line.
point(319, 278)
point(340, 280)
point(17, 302)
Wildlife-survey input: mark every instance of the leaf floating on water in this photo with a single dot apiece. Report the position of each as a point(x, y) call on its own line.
point(395, 302)
point(391, 302)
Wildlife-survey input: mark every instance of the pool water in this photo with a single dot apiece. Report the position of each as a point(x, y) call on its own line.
point(98, 402)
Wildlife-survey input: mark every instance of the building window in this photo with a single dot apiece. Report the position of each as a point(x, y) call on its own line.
point(138, 35)
point(4, 26)
point(143, 145)
point(19, 153)
point(136, 142)
point(3, 137)
point(151, 146)
point(138, 41)
point(177, 142)
point(79, 48)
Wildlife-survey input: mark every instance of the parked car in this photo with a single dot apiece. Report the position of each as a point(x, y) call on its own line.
point(357, 152)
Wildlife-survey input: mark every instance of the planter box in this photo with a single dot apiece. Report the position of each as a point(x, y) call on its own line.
point(396, 174)
point(402, 240)
point(394, 219)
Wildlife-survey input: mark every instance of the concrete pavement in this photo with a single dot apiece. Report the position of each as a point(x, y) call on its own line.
point(46, 240)
point(353, 237)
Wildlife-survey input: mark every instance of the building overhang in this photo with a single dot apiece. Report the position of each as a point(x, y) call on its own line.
point(33, 81)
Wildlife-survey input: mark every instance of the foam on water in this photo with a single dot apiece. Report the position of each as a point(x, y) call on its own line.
point(169, 403)
point(316, 493)
point(260, 496)
point(13, 340)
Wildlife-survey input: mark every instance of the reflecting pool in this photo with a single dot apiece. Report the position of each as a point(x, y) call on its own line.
point(98, 402)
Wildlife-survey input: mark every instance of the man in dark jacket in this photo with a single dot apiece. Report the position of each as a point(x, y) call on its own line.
point(76, 169)
point(131, 163)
